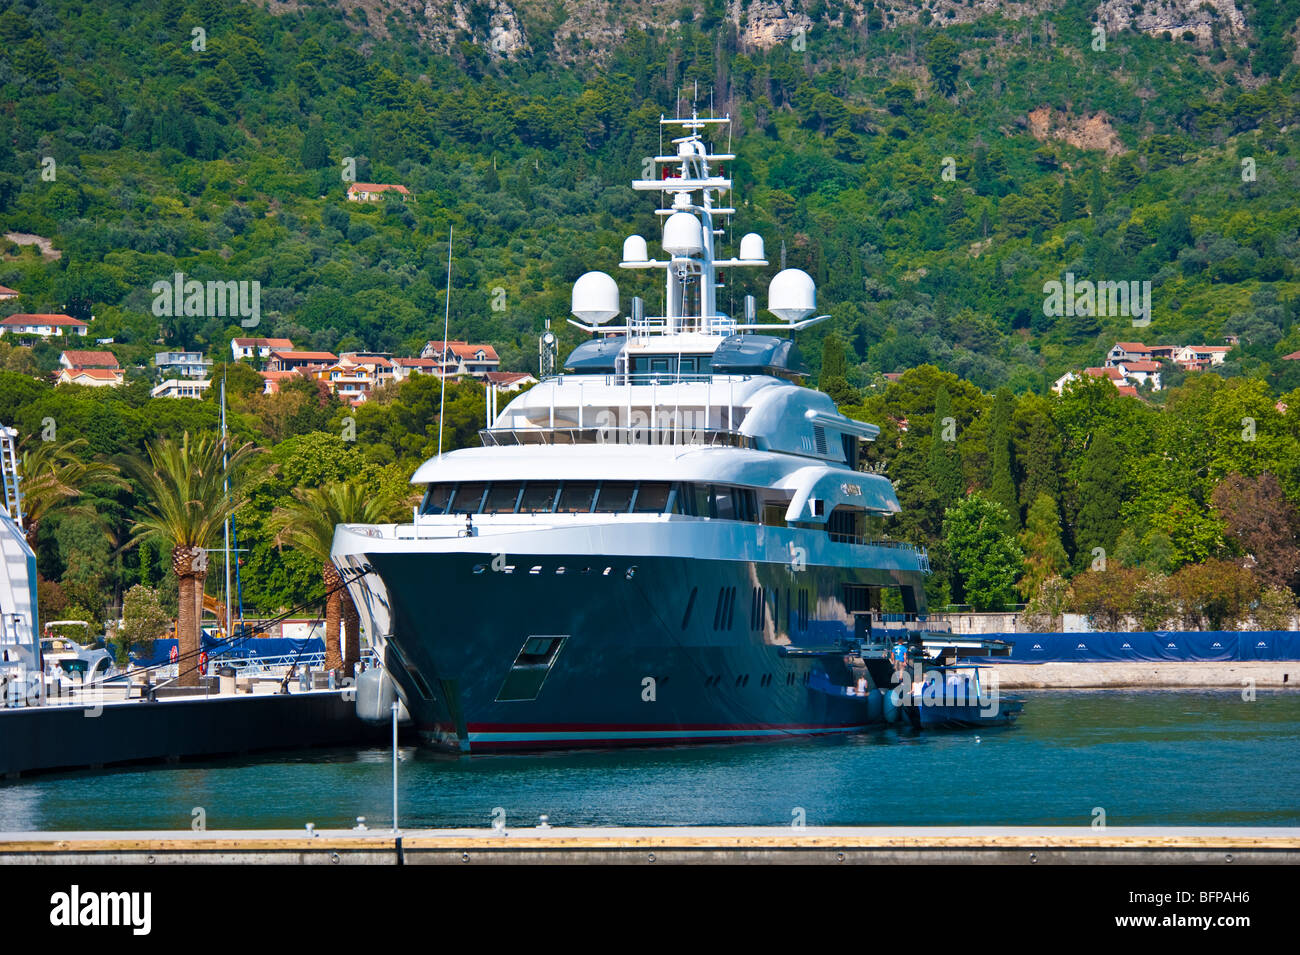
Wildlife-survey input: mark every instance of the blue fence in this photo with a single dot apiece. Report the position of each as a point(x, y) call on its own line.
point(1169, 645)
point(261, 648)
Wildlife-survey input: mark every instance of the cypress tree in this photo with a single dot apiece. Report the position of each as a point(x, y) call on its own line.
point(944, 465)
point(315, 153)
point(1069, 204)
point(1001, 479)
point(1100, 496)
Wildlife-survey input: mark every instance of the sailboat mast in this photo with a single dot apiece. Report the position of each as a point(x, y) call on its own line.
point(225, 466)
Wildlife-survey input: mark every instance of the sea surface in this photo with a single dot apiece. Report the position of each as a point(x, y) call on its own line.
point(1153, 757)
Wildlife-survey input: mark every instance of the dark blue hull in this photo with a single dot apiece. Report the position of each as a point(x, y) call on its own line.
point(564, 652)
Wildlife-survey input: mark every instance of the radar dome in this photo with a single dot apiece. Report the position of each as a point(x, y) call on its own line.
point(595, 298)
point(792, 295)
point(751, 248)
point(634, 249)
point(683, 235)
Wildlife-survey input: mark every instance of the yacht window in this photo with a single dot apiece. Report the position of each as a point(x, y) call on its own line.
point(502, 497)
point(687, 366)
point(696, 499)
point(575, 497)
point(774, 513)
point(660, 364)
point(436, 498)
point(468, 499)
point(615, 497)
point(539, 497)
point(651, 498)
point(722, 503)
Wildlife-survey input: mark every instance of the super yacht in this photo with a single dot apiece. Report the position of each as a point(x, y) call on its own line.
point(670, 542)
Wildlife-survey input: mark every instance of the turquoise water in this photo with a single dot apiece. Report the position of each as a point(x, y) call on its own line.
point(1145, 757)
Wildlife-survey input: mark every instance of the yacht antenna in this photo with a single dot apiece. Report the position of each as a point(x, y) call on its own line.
point(446, 323)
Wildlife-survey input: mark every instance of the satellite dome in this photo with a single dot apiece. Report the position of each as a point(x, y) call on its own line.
point(751, 248)
point(683, 235)
point(595, 298)
point(792, 295)
point(634, 249)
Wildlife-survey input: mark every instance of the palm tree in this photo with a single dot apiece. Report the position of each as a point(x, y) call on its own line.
point(185, 505)
point(53, 474)
point(307, 524)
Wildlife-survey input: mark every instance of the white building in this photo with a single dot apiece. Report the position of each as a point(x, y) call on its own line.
point(45, 324)
point(258, 347)
point(186, 364)
point(181, 388)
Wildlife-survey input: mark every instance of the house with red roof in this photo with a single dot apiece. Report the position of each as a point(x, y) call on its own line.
point(293, 360)
point(7, 293)
point(374, 191)
point(92, 377)
point(461, 359)
point(45, 324)
point(88, 359)
point(1140, 372)
point(258, 347)
point(404, 368)
point(510, 380)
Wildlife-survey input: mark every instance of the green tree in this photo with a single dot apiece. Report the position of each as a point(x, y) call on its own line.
point(1001, 477)
point(1101, 494)
point(315, 153)
point(184, 505)
point(307, 523)
point(943, 57)
point(944, 465)
point(56, 473)
point(144, 619)
point(1041, 540)
point(986, 559)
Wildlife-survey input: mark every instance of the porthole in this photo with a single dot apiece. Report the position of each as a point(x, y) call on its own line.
point(536, 569)
point(479, 568)
point(559, 570)
point(631, 572)
point(607, 571)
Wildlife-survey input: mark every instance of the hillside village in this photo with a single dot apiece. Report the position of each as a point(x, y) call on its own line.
point(353, 376)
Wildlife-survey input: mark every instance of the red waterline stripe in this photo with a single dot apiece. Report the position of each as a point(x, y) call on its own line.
point(645, 727)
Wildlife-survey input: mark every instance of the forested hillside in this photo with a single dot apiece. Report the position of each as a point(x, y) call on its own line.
point(932, 166)
point(227, 163)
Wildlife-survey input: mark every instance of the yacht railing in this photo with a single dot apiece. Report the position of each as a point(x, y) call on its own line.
point(696, 437)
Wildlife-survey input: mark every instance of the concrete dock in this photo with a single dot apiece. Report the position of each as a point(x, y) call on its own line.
point(1154, 675)
point(848, 845)
point(63, 736)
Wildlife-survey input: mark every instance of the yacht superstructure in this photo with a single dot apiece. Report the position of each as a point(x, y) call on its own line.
point(669, 543)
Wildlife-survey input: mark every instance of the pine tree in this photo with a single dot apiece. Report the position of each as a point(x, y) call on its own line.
point(1001, 478)
point(944, 465)
point(1101, 494)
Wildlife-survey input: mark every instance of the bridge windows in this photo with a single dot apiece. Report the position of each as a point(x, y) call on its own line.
point(716, 501)
point(576, 497)
point(538, 497)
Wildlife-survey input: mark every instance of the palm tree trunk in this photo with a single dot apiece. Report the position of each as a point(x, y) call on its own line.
point(187, 620)
point(333, 612)
point(352, 634)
